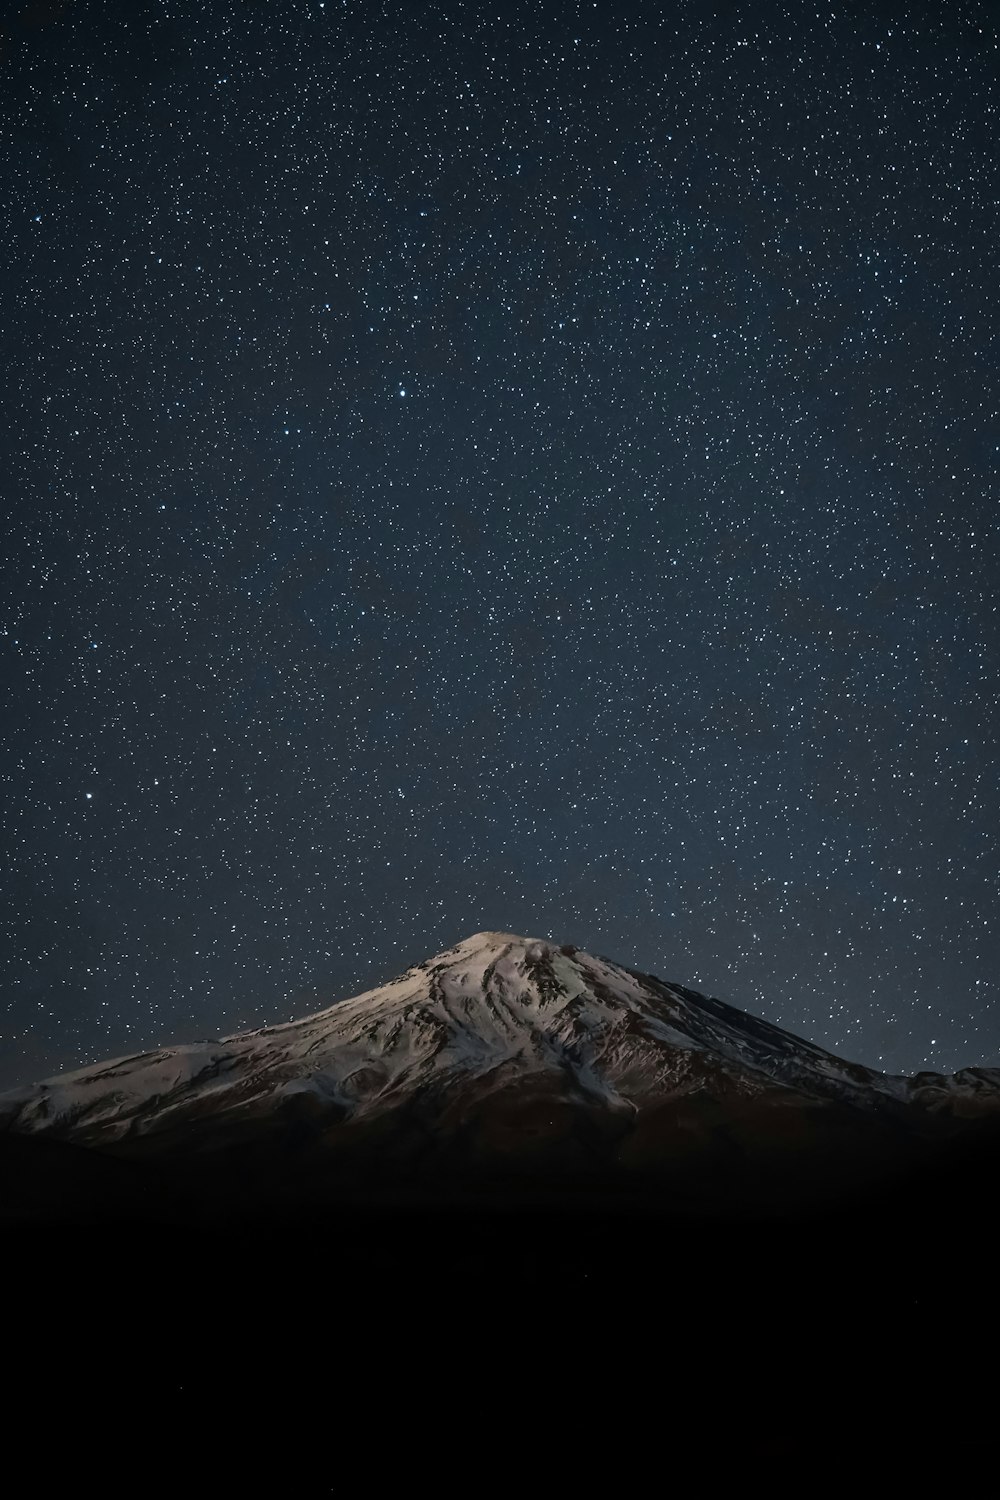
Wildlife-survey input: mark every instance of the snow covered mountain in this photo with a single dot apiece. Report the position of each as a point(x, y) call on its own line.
point(507, 1055)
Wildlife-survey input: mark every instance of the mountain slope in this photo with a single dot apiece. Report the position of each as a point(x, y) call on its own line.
point(507, 1055)
point(494, 1001)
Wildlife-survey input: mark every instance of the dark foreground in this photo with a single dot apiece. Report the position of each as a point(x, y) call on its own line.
point(474, 1350)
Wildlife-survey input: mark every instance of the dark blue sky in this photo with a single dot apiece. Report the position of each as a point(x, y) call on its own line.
point(532, 470)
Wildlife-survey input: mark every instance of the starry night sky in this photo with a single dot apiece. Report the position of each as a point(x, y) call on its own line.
point(523, 466)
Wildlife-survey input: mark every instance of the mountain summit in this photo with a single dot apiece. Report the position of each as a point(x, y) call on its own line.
point(507, 1058)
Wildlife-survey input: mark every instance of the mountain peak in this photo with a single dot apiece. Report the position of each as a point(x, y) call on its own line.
point(490, 939)
point(490, 945)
